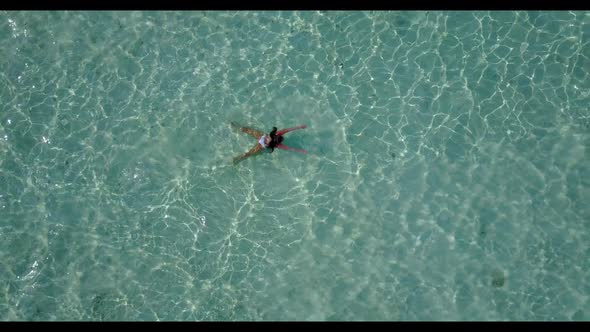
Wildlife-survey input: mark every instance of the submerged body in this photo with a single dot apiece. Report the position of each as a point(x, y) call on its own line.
point(266, 141)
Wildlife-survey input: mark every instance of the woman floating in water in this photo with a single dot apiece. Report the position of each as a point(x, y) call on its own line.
point(271, 141)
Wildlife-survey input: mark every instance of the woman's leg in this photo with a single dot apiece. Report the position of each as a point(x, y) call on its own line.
point(252, 151)
point(252, 132)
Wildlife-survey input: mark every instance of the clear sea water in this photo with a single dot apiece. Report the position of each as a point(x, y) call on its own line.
point(447, 176)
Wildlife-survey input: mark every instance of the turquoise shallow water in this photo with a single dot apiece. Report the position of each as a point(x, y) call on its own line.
point(446, 176)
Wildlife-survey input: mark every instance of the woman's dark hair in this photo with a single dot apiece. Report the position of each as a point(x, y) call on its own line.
point(274, 139)
point(273, 132)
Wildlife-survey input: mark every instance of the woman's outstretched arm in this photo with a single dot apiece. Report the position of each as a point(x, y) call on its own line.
point(284, 147)
point(284, 131)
